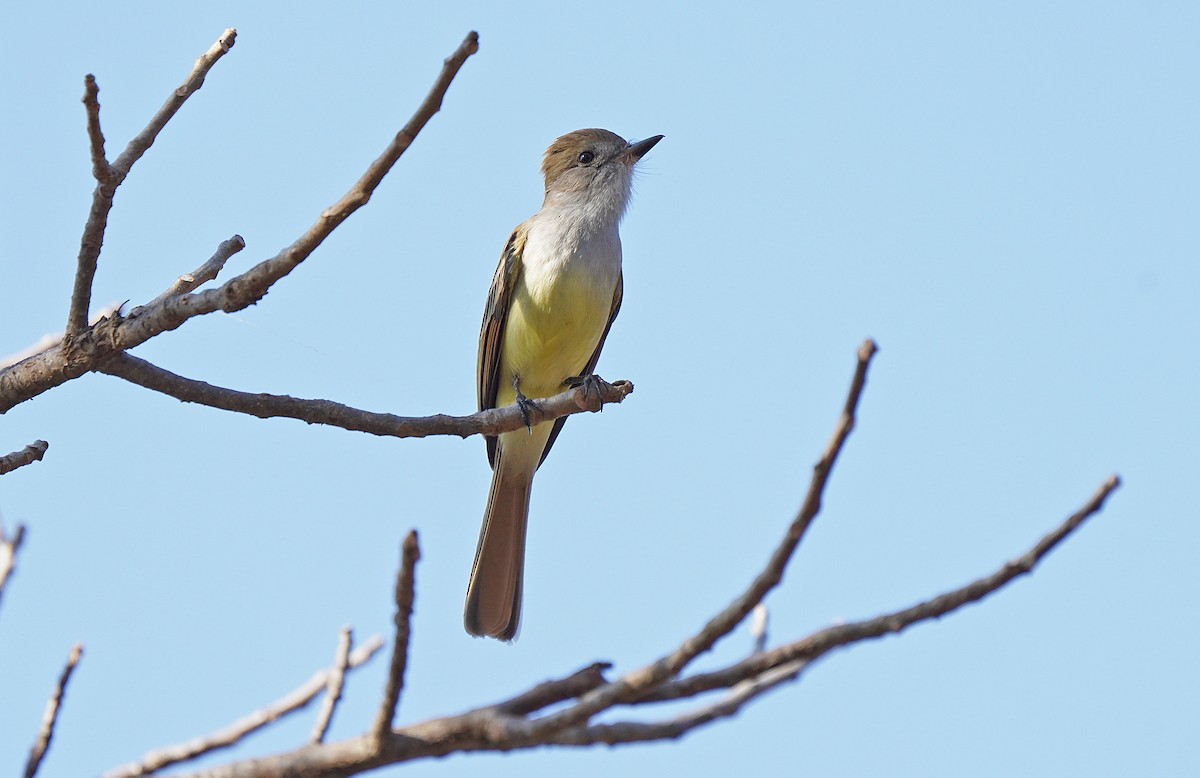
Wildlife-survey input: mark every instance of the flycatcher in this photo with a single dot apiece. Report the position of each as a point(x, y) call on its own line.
point(555, 294)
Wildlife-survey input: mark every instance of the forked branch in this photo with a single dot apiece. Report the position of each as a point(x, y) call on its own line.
point(87, 348)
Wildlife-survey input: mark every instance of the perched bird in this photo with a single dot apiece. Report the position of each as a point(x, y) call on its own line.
point(555, 294)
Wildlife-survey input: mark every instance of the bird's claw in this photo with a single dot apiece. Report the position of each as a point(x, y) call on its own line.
point(591, 385)
point(525, 405)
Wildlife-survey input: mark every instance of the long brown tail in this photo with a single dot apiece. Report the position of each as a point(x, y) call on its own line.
point(493, 606)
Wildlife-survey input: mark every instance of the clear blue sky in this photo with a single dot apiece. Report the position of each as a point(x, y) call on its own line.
point(1004, 196)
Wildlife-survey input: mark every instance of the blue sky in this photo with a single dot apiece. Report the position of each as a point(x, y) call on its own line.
point(1004, 196)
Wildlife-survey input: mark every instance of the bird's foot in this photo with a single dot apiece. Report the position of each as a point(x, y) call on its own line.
point(593, 398)
point(525, 405)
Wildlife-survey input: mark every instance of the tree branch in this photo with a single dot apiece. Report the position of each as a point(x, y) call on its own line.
point(91, 103)
point(266, 406)
point(231, 735)
point(87, 348)
point(823, 641)
point(504, 727)
point(333, 688)
point(26, 456)
point(405, 580)
point(646, 679)
point(201, 275)
point(110, 177)
point(671, 729)
point(42, 744)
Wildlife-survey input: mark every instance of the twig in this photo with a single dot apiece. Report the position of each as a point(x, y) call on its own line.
point(405, 579)
point(646, 679)
point(553, 692)
point(266, 406)
point(670, 729)
point(8, 553)
point(91, 103)
point(109, 177)
point(201, 275)
point(50, 718)
point(333, 689)
point(26, 456)
point(86, 349)
point(229, 736)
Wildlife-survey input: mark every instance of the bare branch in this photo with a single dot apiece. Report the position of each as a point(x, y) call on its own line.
point(26, 456)
point(267, 406)
point(553, 692)
point(405, 579)
point(646, 679)
point(201, 275)
point(231, 735)
point(86, 348)
point(502, 727)
point(91, 103)
point(109, 177)
point(8, 553)
point(50, 718)
point(145, 139)
point(822, 642)
point(333, 689)
point(670, 729)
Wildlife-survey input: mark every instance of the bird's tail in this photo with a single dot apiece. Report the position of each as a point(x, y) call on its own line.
point(493, 607)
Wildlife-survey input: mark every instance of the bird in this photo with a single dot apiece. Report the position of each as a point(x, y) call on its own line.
point(553, 298)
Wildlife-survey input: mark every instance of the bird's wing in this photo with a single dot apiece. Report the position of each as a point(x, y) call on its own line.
point(591, 363)
point(491, 332)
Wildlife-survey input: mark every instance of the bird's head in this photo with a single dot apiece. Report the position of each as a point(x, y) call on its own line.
point(594, 169)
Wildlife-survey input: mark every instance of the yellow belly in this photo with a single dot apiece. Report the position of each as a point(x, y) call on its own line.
point(550, 335)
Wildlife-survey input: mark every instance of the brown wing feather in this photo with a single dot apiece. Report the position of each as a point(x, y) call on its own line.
point(491, 332)
point(591, 364)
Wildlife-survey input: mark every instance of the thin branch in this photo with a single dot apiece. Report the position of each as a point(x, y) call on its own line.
point(555, 691)
point(333, 689)
point(145, 139)
point(109, 177)
point(646, 679)
point(823, 641)
point(91, 103)
point(8, 553)
point(26, 456)
point(201, 275)
point(671, 729)
point(87, 349)
point(327, 412)
point(405, 581)
point(231, 735)
point(50, 718)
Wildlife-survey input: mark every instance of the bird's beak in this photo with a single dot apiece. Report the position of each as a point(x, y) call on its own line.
point(635, 151)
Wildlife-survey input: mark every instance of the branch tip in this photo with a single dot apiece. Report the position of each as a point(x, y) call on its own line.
point(26, 456)
point(410, 554)
point(46, 733)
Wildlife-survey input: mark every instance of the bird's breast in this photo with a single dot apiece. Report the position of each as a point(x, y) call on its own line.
point(560, 307)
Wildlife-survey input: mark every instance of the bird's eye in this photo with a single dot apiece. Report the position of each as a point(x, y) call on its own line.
point(586, 157)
